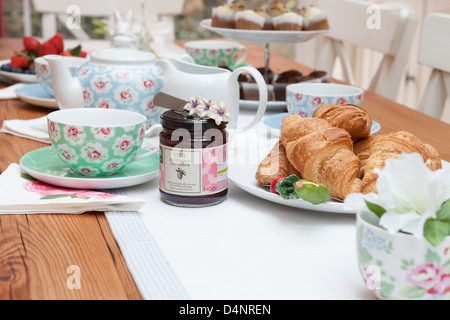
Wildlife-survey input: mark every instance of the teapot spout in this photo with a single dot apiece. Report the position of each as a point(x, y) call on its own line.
point(67, 88)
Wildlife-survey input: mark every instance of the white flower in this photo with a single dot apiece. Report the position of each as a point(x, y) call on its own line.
point(192, 105)
point(203, 107)
point(409, 192)
point(220, 112)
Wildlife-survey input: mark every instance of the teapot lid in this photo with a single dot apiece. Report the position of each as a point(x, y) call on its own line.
point(123, 53)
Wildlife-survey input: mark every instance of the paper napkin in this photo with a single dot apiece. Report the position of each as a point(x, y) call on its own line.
point(21, 194)
point(10, 92)
point(34, 129)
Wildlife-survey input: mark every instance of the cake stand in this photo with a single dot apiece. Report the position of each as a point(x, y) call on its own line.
point(264, 36)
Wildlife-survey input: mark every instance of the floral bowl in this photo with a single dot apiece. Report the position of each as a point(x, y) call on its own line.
point(400, 266)
point(305, 98)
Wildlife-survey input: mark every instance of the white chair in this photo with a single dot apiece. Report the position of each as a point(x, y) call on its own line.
point(434, 52)
point(65, 10)
point(355, 22)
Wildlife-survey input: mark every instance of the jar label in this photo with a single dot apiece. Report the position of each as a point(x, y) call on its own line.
point(193, 172)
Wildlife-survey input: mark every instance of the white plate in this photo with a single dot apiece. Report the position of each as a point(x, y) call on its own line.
point(17, 77)
point(263, 36)
point(274, 122)
point(44, 165)
point(35, 95)
point(243, 175)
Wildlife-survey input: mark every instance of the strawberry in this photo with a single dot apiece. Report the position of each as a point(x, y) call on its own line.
point(47, 48)
point(66, 54)
point(58, 42)
point(83, 54)
point(19, 61)
point(31, 44)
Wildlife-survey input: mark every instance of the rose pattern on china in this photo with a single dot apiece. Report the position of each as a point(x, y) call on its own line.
point(69, 154)
point(147, 84)
point(105, 103)
point(94, 152)
point(103, 133)
point(74, 134)
point(49, 192)
point(120, 88)
point(54, 131)
point(214, 57)
point(126, 95)
point(428, 279)
point(339, 101)
point(112, 165)
point(101, 84)
point(123, 145)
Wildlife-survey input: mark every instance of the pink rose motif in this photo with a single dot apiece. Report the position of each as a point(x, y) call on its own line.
point(94, 155)
point(442, 287)
point(106, 131)
point(317, 101)
point(66, 155)
point(298, 97)
point(101, 85)
point(86, 95)
point(148, 83)
point(73, 131)
point(205, 180)
point(213, 170)
point(104, 105)
point(124, 145)
point(303, 114)
point(229, 50)
point(425, 275)
point(340, 101)
point(44, 189)
point(121, 75)
point(86, 171)
point(52, 126)
point(112, 165)
point(213, 187)
point(125, 95)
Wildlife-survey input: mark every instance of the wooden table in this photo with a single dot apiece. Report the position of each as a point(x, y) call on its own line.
point(36, 250)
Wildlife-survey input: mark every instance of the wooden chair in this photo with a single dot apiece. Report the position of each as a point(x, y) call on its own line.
point(434, 52)
point(354, 22)
point(62, 10)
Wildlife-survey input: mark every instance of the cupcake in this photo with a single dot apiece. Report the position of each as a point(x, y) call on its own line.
point(275, 9)
point(314, 18)
point(268, 25)
point(288, 21)
point(224, 16)
point(249, 19)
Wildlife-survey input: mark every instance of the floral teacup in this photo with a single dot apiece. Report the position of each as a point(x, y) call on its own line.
point(98, 142)
point(401, 266)
point(216, 53)
point(305, 98)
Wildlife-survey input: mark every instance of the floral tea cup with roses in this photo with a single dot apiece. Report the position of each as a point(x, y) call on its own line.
point(98, 142)
point(305, 98)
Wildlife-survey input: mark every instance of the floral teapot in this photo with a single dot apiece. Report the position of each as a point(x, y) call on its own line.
point(119, 78)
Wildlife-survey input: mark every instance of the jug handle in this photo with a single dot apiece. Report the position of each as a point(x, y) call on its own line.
point(262, 89)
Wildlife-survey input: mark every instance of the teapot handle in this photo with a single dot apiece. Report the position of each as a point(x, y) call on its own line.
point(262, 90)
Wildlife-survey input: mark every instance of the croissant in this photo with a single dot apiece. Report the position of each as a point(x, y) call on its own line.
point(322, 154)
point(391, 146)
point(350, 117)
point(275, 165)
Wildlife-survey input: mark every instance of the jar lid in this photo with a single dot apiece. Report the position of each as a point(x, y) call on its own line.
point(123, 52)
point(175, 119)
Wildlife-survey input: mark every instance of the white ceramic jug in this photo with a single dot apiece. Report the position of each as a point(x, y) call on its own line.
point(185, 79)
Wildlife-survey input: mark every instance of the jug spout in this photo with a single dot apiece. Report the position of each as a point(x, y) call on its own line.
point(67, 88)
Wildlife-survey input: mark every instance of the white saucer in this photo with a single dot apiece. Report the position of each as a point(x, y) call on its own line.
point(274, 122)
point(44, 165)
point(35, 95)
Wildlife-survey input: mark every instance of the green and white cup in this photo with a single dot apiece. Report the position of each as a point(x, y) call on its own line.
point(216, 53)
point(98, 142)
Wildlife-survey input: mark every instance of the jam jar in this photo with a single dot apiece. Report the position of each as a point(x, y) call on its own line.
point(193, 160)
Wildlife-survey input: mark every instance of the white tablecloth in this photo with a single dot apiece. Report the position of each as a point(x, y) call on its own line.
point(249, 248)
